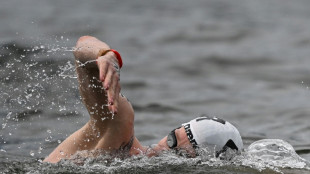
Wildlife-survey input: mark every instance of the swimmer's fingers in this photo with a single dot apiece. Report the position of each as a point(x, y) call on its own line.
point(114, 92)
point(109, 74)
point(106, 66)
point(115, 84)
point(103, 68)
point(113, 87)
point(104, 62)
point(108, 78)
point(112, 106)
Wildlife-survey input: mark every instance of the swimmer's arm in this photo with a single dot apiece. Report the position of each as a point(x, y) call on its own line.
point(85, 138)
point(97, 76)
point(100, 131)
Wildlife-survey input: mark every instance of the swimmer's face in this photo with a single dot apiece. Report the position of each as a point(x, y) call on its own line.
point(183, 144)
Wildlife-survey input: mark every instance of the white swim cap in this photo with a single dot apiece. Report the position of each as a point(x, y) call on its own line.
point(213, 132)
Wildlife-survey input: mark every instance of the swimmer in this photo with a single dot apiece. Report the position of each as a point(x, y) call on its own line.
point(111, 124)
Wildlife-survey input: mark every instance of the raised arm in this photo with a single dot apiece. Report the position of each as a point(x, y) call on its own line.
point(103, 73)
point(99, 88)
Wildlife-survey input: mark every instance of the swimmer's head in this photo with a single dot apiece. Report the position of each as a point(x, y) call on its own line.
point(214, 133)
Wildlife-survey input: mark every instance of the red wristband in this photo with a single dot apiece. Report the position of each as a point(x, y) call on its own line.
point(102, 52)
point(118, 57)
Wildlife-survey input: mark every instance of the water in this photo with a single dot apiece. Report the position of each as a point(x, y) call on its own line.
point(268, 156)
point(245, 61)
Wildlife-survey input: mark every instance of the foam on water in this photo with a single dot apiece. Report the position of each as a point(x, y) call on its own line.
point(268, 155)
point(274, 154)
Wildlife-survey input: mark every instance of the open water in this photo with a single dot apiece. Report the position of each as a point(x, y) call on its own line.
point(245, 61)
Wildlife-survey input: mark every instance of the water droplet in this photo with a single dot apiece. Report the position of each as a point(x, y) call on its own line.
point(59, 141)
point(35, 48)
point(112, 115)
point(62, 108)
point(62, 153)
point(49, 131)
point(3, 125)
point(31, 153)
point(2, 150)
point(9, 115)
point(40, 150)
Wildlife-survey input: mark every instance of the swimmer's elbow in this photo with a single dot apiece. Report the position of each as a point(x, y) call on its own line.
point(87, 48)
point(82, 38)
point(81, 41)
point(79, 52)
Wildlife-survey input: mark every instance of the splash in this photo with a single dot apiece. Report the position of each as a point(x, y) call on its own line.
point(269, 155)
point(70, 68)
point(37, 82)
point(27, 73)
point(57, 48)
point(273, 154)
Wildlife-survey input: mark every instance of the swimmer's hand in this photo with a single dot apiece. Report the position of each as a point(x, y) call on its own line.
point(87, 49)
point(109, 75)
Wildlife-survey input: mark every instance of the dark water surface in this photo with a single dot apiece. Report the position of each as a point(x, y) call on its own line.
point(245, 61)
